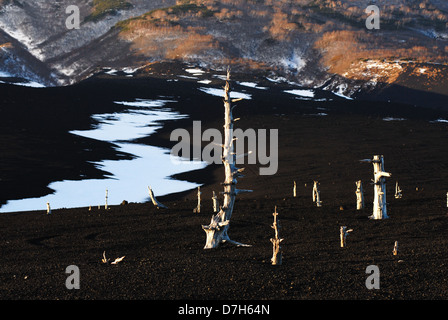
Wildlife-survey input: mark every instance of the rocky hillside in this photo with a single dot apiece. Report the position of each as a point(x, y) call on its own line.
point(318, 43)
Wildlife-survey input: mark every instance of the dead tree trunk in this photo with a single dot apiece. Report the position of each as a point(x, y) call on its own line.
point(343, 232)
point(198, 206)
point(359, 195)
point(216, 231)
point(379, 200)
point(316, 194)
point(276, 253)
point(395, 251)
point(105, 202)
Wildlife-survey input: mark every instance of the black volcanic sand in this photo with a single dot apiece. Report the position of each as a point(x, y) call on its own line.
point(163, 249)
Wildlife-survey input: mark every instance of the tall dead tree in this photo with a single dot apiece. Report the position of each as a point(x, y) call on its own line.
point(216, 231)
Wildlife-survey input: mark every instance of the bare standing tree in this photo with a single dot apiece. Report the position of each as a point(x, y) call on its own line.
point(216, 231)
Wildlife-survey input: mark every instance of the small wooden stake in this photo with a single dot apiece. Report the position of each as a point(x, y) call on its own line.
point(105, 205)
point(48, 208)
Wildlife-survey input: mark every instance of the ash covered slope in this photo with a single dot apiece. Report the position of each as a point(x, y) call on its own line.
point(35, 34)
point(317, 43)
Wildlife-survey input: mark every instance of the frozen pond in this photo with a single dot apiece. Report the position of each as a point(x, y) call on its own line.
point(128, 179)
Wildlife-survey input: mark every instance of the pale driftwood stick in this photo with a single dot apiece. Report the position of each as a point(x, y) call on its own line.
point(398, 191)
point(359, 195)
point(154, 200)
point(276, 252)
point(216, 231)
point(343, 235)
point(48, 208)
point(395, 252)
point(379, 202)
point(215, 203)
point(198, 206)
point(316, 194)
point(294, 190)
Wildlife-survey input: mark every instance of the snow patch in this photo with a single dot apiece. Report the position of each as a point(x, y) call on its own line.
point(252, 85)
point(301, 92)
point(220, 93)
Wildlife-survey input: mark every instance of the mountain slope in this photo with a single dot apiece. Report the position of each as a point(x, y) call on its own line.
point(319, 43)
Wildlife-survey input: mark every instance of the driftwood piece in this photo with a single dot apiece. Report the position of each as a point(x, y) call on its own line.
point(217, 230)
point(276, 252)
point(155, 202)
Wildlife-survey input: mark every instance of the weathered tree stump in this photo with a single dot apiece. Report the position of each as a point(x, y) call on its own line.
point(379, 199)
point(395, 251)
point(316, 194)
point(198, 206)
point(343, 235)
point(359, 195)
point(398, 191)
